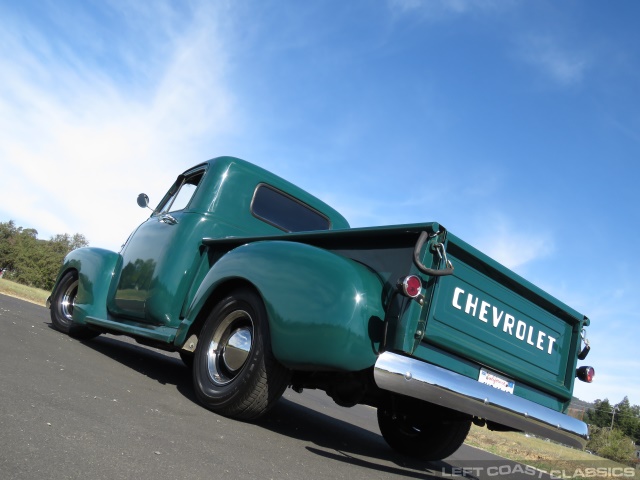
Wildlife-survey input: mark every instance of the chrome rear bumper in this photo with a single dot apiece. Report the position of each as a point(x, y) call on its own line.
point(434, 384)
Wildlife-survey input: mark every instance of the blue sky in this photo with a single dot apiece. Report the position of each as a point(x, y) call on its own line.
point(514, 124)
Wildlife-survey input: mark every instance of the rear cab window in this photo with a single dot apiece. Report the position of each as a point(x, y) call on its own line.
point(286, 212)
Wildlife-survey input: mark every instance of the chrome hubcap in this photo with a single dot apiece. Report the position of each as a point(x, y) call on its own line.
point(68, 300)
point(230, 347)
point(237, 349)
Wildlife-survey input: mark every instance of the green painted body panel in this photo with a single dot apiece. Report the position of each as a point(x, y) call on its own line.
point(159, 266)
point(95, 267)
point(157, 333)
point(325, 311)
point(486, 314)
point(331, 296)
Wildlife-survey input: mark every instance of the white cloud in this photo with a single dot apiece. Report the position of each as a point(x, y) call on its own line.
point(564, 65)
point(76, 146)
point(439, 9)
point(511, 246)
point(366, 211)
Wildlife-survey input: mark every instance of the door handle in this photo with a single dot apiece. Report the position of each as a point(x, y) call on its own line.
point(168, 219)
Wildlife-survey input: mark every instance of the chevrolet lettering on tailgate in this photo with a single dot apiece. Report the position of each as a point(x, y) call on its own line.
point(518, 328)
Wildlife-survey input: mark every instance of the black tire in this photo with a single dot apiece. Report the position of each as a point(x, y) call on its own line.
point(427, 439)
point(234, 371)
point(62, 304)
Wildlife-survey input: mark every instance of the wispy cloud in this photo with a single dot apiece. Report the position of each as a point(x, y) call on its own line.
point(75, 132)
point(510, 245)
point(562, 64)
point(441, 9)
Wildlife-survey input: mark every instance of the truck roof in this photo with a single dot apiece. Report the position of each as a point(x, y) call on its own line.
point(247, 176)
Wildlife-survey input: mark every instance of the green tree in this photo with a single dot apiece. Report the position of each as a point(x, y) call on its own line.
point(623, 416)
point(8, 233)
point(64, 243)
point(627, 419)
point(612, 444)
point(27, 260)
point(600, 415)
point(31, 261)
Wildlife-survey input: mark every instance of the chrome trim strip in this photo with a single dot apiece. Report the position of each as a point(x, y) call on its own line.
point(414, 378)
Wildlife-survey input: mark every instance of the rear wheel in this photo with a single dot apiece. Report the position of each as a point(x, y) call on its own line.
point(62, 306)
point(427, 438)
point(234, 371)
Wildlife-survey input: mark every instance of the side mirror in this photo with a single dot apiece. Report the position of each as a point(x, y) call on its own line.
point(143, 200)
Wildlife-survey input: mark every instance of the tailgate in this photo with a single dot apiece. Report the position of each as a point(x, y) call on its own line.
point(489, 315)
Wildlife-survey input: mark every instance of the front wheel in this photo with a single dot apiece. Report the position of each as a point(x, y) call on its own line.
point(425, 438)
point(62, 304)
point(234, 371)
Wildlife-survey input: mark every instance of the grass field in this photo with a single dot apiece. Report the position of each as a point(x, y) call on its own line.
point(30, 294)
point(547, 456)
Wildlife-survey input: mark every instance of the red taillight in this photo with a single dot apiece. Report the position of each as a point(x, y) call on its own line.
point(411, 286)
point(585, 374)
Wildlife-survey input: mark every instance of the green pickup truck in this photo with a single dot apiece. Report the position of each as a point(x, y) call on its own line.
point(260, 286)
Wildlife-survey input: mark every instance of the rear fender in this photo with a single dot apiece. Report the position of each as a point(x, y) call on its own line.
point(96, 267)
point(325, 311)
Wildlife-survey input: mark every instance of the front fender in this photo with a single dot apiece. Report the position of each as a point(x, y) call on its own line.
point(95, 267)
point(325, 311)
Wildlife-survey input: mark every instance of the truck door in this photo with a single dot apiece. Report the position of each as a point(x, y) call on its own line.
point(160, 257)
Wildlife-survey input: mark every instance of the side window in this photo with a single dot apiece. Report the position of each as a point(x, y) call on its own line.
point(286, 212)
point(181, 193)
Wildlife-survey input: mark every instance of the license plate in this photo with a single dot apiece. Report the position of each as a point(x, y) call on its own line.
point(496, 381)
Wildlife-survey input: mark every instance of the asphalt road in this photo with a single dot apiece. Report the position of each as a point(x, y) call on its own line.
point(111, 409)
